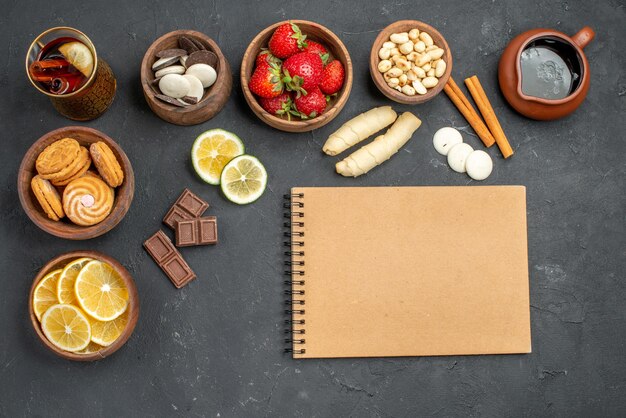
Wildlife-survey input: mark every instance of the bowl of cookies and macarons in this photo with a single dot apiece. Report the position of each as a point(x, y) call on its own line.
point(75, 183)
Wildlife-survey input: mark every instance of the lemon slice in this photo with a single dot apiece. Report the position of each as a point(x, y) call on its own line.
point(244, 179)
point(66, 327)
point(65, 286)
point(77, 54)
point(91, 348)
point(101, 291)
point(45, 294)
point(105, 333)
point(212, 150)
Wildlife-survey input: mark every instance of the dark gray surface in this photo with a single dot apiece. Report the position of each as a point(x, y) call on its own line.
point(214, 348)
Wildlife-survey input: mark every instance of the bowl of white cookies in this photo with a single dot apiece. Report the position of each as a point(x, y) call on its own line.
point(76, 183)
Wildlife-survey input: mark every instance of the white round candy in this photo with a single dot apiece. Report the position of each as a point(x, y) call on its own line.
point(195, 90)
point(457, 156)
point(174, 85)
point(205, 73)
point(172, 69)
point(478, 165)
point(445, 138)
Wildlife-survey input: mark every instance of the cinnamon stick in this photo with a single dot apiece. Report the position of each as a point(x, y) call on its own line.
point(464, 106)
point(479, 96)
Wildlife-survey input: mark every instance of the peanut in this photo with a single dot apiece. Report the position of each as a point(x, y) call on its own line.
point(394, 81)
point(431, 72)
point(408, 90)
point(418, 86)
point(436, 53)
point(384, 66)
point(389, 45)
point(427, 39)
point(402, 80)
point(413, 56)
point(430, 82)
point(384, 53)
point(406, 47)
point(414, 34)
point(427, 67)
point(419, 71)
point(403, 64)
point(394, 51)
point(411, 76)
point(399, 38)
point(394, 72)
point(440, 69)
point(430, 48)
point(424, 59)
point(420, 46)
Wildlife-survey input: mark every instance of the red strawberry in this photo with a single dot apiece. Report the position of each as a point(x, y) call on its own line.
point(265, 56)
point(287, 40)
point(332, 78)
point(317, 48)
point(303, 72)
point(265, 81)
point(279, 105)
point(310, 105)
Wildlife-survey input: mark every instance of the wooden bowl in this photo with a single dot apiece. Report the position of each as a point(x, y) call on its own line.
point(377, 76)
point(215, 97)
point(133, 306)
point(336, 49)
point(64, 228)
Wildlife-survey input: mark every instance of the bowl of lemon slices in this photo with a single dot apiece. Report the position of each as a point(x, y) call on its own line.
point(83, 305)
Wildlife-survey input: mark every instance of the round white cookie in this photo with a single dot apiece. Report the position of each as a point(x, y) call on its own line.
point(458, 155)
point(445, 138)
point(479, 165)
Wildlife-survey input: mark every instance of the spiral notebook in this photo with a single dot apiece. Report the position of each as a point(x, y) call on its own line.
point(407, 271)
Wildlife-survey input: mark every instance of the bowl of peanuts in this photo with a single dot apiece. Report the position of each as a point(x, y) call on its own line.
point(410, 62)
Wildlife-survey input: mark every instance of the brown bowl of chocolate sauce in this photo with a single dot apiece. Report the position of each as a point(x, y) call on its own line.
point(544, 74)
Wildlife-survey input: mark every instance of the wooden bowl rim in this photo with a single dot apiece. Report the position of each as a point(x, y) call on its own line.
point(377, 76)
point(222, 74)
point(123, 194)
point(133, 304)
point(296, 125)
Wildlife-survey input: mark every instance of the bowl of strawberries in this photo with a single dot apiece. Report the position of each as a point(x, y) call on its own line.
point(296, 75)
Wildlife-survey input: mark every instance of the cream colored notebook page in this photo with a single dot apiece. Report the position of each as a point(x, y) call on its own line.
point(409, 271)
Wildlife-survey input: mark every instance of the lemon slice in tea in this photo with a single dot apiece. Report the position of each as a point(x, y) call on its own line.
point(212, 150)
point(66, 327)
point(65, 286)
point(45, 294)
point(101, 291)
point(77, 54)
point(244, 179)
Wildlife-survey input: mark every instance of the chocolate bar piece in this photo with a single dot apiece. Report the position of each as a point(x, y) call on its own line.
point(197, 231)
point(188, 206)
point(169, 259)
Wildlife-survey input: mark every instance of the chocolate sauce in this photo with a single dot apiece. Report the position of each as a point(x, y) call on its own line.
point(551, 68)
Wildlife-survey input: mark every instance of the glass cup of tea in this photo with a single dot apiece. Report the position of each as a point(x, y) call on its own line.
point(62, 63)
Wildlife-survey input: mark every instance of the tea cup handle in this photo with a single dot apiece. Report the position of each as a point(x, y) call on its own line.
point(584, 36)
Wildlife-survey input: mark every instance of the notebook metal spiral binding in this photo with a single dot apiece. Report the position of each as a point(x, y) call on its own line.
point(294, 295)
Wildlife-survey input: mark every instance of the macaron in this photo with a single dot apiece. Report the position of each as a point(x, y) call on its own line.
point(105, 161)
point(48, 198)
